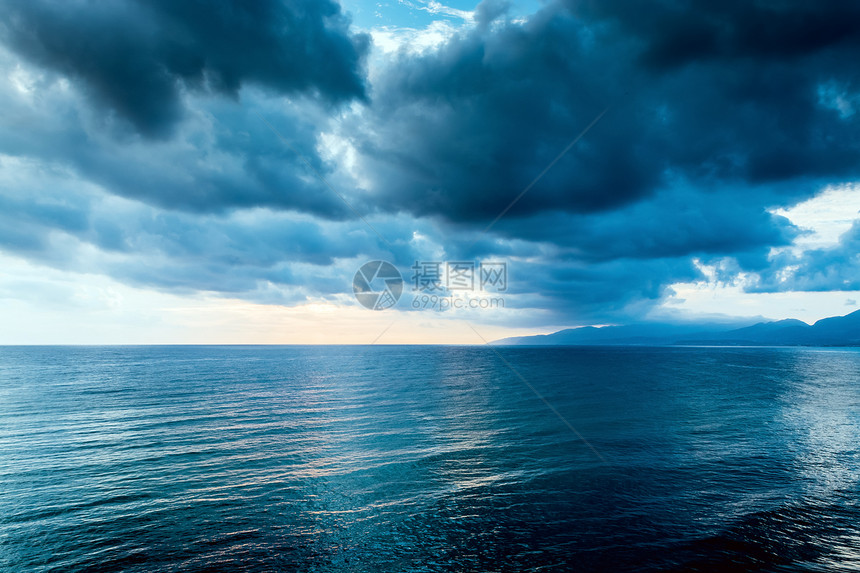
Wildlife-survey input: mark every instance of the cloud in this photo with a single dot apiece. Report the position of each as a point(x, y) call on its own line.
point(68, 223)
point(135, 148)
point(460, 131)
point(137, 58)
point(222, 156)
point(676, 34)
point(434, 7)
point(835, 268)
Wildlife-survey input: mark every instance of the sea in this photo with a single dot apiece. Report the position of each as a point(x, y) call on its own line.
point(429, 458)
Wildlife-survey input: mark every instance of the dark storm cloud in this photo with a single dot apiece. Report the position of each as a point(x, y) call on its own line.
point(678, 33)
point(717, 113)
point(611, 291)
point(222, 158)
point(97, 69)
point(136, 58)
point(676, 223)
point(459, 132)
point(147, 246)
point(700, 142)
point(264, 255)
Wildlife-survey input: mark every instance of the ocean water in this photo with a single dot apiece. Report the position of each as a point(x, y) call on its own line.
point(429, 459)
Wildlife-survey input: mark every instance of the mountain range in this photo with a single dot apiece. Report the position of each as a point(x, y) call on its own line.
point(833, 331)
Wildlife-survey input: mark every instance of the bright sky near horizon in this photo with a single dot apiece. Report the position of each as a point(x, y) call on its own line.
point(175, 176)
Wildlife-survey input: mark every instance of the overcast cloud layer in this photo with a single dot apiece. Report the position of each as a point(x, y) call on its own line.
point(143, 141)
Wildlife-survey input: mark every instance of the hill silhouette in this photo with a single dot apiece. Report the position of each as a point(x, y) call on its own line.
point(833, 331)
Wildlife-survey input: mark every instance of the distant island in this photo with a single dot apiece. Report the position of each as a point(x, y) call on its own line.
point(833, 331)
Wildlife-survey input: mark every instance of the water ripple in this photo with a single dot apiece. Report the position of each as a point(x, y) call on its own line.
point(428, 459)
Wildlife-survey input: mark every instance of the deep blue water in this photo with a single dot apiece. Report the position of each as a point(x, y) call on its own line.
point(428, 459)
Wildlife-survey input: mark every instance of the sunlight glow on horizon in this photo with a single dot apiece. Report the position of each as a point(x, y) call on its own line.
point(92, 309)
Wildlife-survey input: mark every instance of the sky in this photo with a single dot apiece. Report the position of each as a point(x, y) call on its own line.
point(220, 171)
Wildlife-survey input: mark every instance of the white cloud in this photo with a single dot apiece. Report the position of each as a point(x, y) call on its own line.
point(704, 299)
point(715, 296)
point(434, 7)
point(392, 39)
point(825, 217)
